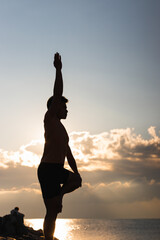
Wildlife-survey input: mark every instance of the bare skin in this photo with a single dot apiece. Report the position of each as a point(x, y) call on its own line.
point(56, 148)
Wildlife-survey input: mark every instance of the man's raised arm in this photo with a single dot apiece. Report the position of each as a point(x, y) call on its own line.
point(58, 85)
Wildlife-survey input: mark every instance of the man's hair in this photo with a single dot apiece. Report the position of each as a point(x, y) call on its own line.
point(50, 100)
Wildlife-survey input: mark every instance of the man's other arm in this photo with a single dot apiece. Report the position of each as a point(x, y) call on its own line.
point(72, 162)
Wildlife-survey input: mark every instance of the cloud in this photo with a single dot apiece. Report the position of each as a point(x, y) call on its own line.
point(35, 146)
point(28, 155)
point(17, 177)
point(119, 150)
point(28, 200)
point(119, 168)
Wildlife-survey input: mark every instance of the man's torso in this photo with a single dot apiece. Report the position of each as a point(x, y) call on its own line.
point(56, 140)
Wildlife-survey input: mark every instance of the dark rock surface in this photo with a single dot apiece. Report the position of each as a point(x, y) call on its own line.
point(12, 228)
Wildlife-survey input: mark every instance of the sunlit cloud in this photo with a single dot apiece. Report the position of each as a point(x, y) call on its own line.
point(31, 153)
point(21, 190)
point(7, 158)
point(94, 152)
point(28, 155)
point(106, 149)
point(118, 167)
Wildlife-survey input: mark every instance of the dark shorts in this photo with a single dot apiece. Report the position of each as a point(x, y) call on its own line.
point(51, 176)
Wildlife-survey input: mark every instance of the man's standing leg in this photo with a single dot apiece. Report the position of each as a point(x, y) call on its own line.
point(52, 210)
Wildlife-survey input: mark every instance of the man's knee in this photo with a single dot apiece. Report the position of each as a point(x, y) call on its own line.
point(50, 217)
point(53, 207)
point(77, 181)
point(51, 214)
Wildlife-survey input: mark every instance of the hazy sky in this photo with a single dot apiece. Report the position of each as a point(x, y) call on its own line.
point(110, 52)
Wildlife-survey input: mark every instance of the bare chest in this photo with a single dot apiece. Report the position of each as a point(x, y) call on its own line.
point(55, 131)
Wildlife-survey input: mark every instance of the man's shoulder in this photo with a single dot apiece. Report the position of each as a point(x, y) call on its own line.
point(50, 121)
point(49, 116)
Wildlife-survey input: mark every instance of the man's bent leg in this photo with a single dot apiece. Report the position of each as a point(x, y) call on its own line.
point(52, 209)
point(73, 182)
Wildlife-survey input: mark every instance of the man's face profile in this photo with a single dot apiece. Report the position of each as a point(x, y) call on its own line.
point(62, 112)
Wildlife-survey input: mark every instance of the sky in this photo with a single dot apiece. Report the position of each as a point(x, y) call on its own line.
point(110, 54)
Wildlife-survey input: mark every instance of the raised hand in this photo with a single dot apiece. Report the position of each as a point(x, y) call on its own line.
point(57, 61)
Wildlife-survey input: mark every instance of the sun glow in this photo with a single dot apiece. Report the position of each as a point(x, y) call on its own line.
point(62, 231)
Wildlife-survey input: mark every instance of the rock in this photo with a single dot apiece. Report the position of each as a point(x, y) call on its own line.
point(1, 221)
point(7, 238)
point(12, 228)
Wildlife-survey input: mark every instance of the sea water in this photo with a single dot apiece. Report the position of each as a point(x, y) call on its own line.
point(101, 229)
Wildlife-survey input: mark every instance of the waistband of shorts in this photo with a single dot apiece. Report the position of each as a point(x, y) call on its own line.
point(47, 164)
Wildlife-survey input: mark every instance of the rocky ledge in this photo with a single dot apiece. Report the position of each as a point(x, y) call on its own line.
point(12, 228)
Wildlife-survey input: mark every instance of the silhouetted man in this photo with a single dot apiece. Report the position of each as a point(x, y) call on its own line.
point(51, 172)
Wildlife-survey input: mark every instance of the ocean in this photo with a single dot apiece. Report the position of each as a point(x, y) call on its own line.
point(100, 229)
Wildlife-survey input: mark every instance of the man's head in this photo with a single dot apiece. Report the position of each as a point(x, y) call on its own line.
point(62, 110)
